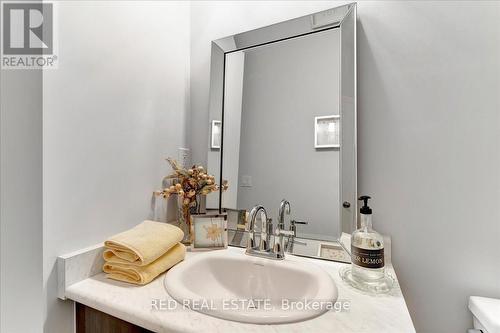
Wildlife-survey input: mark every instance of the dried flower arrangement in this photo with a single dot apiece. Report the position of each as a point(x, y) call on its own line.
point(189, 184)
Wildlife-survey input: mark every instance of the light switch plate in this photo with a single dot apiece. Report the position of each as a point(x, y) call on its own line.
point(184, 157)
point(246, 181)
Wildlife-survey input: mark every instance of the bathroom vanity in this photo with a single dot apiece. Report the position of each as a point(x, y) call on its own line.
point(283, 136)
point(105, 303)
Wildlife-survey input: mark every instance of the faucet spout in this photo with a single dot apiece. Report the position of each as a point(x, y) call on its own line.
point(251, 226)
point(284, 209)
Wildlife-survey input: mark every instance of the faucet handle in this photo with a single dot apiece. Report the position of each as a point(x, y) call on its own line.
point(298, 222)
point(293, 226)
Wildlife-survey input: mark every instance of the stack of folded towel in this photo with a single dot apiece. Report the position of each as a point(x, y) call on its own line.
point(142, 253)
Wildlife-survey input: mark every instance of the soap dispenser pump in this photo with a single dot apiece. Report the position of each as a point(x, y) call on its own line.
point(367, 247)
point(367, 271)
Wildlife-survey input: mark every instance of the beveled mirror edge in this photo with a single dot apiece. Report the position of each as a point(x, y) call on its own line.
point(286, 29)
point(348, 112)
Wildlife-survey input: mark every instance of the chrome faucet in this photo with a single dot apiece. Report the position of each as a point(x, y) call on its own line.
point(263, 244)
point(287, 244)
point(284, 208)
point(279, 245)
point(267, 235)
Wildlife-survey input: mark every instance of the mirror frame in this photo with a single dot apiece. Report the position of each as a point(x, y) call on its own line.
point(344, 18)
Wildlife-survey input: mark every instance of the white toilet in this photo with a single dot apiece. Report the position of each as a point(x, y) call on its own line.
point(486, 313)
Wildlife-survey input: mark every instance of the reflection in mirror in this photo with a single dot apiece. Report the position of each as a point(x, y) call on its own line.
point(287, 107)
point(329, 250)
point(272, 98)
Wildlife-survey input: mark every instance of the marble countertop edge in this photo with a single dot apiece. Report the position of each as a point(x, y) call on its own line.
point(134, 304)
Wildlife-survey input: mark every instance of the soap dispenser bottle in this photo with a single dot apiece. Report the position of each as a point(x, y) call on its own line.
point(367, 248)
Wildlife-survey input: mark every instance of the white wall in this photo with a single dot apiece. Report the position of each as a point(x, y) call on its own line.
point(234, 73)
point(429, 136)
point(113, 110)
point(21, 302)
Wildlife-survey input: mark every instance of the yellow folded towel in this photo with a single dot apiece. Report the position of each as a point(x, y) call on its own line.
point(142, 244)
point(145, 274)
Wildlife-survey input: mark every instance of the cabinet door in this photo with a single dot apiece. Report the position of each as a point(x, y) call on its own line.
point(89, 320)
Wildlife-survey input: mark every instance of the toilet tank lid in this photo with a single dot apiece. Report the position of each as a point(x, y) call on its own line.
point(487, 311)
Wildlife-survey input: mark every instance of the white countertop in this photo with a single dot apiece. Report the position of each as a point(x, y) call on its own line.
point(385, 313)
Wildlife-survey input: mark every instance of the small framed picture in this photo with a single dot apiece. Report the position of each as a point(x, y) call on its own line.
point(208, 232)
point(327, 131)
point(216, 132)
point(333, 252)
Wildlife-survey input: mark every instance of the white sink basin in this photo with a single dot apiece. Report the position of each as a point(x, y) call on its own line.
point(238, 287)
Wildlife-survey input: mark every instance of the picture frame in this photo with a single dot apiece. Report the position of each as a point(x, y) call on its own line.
point(236, 218)
point(208, 232)
point(327, 131)
point(215, 134)
point(333, 252)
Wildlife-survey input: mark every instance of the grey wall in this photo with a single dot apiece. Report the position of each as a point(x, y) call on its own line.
point(285, 86)
point(429, 149)
point(21, 302)
point(429, 137)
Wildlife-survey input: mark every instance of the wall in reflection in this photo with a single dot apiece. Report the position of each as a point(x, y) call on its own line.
point(272, 95)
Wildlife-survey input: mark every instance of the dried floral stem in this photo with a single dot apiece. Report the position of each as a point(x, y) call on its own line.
point(190, 183)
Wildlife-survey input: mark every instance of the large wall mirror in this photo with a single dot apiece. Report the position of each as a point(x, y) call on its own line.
point(283, 126)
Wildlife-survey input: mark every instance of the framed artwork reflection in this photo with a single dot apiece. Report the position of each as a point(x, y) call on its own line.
point(327, 132)
point(216, 132)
